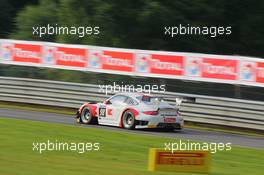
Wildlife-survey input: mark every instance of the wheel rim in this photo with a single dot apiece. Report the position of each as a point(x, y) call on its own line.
point(128, 120)
point(86, 115)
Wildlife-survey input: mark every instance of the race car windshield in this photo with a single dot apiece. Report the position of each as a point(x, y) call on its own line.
point(149, 99)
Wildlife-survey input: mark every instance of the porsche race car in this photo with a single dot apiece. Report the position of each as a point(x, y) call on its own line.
point(132, 110)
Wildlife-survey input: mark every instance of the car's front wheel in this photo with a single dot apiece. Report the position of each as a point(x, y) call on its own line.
point(86, 116)
point(128, 120)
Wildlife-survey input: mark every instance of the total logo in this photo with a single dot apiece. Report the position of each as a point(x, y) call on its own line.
point(142, 63)
point(193, 66)
point(21, 53)
point(95, 58)
point(6, 51)
point(248, 70)
point(157, 64)
point(108, 60)
point(48, 55)
point(68, 57)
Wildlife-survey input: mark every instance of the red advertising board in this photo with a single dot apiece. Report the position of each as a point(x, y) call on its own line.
point(27, 53)
point(117, 61)
point(167, 64)
point(226, 69)
point(74, 57)
point(159, 64)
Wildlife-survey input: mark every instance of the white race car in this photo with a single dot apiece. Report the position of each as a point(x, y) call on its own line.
point(132, 110)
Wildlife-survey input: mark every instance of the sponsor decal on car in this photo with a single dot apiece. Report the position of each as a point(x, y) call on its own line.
point(169, 120)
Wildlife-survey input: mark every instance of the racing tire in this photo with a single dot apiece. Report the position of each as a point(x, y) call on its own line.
point(128, 120)
point(86, 116)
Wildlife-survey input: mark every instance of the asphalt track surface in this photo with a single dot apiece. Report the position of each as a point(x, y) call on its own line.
point(191, 134)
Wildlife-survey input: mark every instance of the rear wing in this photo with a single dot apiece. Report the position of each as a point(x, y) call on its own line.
point(180, 99)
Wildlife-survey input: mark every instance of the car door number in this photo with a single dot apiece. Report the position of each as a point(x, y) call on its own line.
point(102, 112)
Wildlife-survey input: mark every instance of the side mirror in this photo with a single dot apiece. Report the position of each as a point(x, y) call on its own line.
point(107, 102)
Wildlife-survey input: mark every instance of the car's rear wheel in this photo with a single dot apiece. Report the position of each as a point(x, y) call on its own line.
point(86, 116)
point(128, 120)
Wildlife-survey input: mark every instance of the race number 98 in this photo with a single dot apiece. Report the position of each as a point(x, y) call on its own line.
point(102, 112)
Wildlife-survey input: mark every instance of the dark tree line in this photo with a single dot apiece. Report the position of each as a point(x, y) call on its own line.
point(140, 23)
point(8, 13)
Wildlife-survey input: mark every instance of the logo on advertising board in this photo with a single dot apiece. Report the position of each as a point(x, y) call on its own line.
point(179, 161)
point(220, 68)
point(193, 66)
point(247, 71)
point(48, 55)
point(142, 63)
point(167, 64)
point(95, 59)
point(117, 61)
point(74, 57)
point(29, 53)
point(6, 51)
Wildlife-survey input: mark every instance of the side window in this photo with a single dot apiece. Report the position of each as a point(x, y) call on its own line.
point(131, 101)
point(119, 99)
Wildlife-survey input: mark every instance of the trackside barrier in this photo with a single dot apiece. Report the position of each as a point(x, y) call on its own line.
point(206, 109)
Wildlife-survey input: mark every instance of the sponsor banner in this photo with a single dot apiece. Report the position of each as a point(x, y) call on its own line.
point(219, 68)
point(179, 161)
point(67, 56)
point(185, 66)
point(159, 64)
point(23, 53)
point(214, 68)
point(111, 60)
point(64, 56)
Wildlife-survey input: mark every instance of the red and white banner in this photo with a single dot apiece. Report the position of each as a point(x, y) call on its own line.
point(18, 52)
point(164, 64)
point(111, 60)
point(175, 65)
point(27, 53)
point(65, 56)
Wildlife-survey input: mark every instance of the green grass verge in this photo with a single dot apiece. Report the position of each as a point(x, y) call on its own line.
point(228, 130)
point(121, 153)
point(40, 108)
